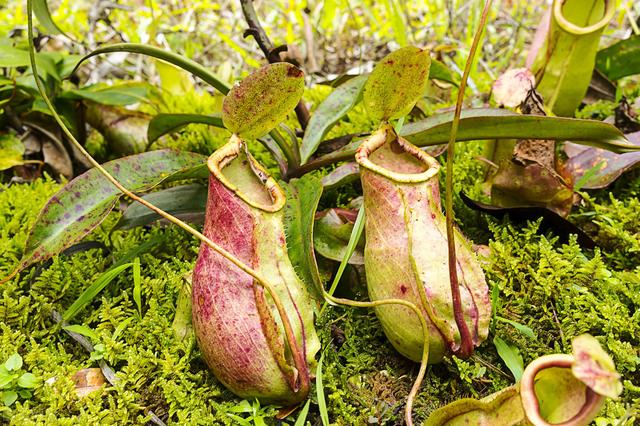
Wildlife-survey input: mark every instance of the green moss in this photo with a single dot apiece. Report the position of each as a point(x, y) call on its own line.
point(614, 222)
point(556, 289)
point(598, 110)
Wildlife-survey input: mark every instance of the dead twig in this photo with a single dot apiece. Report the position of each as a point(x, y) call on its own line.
point(271, 52)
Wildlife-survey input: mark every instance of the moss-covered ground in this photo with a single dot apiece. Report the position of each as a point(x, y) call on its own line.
point(557, 289)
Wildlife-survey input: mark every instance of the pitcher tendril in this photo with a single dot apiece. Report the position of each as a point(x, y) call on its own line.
point(466, 342)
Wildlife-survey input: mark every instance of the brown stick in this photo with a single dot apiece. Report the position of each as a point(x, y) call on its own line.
point(271, 53)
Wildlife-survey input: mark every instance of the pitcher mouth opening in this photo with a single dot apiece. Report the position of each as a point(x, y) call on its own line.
point(570, 27)
point(530, 401)
point(265, 193)
point(423, 166)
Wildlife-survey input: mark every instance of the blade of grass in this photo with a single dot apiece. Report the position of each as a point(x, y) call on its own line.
point(527, 331)
point(139, 250)
point(495, 299)
point(137, 284)
point(322, 405)
point(92, 291)
point(358, 226)
point(83, 330)
point(302, 418)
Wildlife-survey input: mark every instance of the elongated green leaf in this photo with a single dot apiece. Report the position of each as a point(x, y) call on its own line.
point(137, 284)
point(302, 417)
point(119, 95)
point(168, 56)
point(396, 83)
point(490, 123)
point(303, 196)
point(162, 124)
point(92, 291)
point(527, 331)
point(11, 57)
point(83, 203)
point(41, 10)
point(510, 356)
point(332, 233)
point(333, 108)
point(322, 404)
point(139, 250)
point(354, 238)
point(440, 71)
point(83, 330)
point(397, 22)
point(621, 59)
point(262, 100)
point(186, 202)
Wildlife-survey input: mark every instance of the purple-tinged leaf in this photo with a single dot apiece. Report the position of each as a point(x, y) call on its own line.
point(594, 367)
point(594, 168)
point(83, 203)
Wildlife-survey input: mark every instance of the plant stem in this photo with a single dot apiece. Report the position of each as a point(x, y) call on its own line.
point(296, 353)
point(270, 52)
point(286, 149)
point(466, 341)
